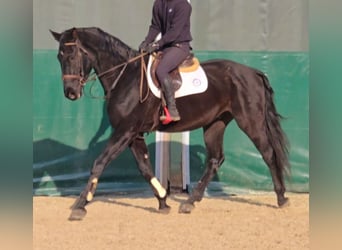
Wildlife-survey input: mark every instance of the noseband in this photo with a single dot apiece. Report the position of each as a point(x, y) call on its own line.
point(79, 77)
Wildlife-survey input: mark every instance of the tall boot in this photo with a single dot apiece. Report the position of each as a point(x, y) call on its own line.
point(169, 94)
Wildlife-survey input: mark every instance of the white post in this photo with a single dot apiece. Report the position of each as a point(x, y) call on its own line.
point(162, 163)
point(186, 160)
point(172, 160)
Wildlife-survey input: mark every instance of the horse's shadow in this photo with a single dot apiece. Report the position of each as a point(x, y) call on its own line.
point(111, 200)
point(180, 198)
point(229, 197)
point(104, 126)
point(235, 198)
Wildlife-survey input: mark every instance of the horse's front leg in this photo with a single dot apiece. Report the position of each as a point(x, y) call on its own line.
point(117, 143)
point(140, 152)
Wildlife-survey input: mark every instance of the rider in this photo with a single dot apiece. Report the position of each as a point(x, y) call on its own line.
point(171, 18)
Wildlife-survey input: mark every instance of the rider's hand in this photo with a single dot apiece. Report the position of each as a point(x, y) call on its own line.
point(152, 47)
point(143, 46)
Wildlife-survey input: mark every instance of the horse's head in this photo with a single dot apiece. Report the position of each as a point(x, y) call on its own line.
point(75, 63)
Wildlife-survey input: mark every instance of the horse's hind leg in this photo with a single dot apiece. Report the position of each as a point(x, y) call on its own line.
point(213, 138)
point(256, 130)
point(140, 152)
point(255, 113)
point(269, 157)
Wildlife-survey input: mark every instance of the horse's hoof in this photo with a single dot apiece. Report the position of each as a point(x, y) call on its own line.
point(78, 214)
point(186, 208)
point(79, 203)
point(284, 203)
point(165, 210)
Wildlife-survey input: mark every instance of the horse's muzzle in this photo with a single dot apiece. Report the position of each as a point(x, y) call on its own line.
point(71, 94)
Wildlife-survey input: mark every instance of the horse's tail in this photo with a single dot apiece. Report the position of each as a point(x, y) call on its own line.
point(275, 133)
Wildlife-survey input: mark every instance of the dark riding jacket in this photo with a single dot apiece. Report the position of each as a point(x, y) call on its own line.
point(171, 18)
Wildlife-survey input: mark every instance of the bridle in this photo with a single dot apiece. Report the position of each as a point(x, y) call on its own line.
point(81, 79)
point(92, 77)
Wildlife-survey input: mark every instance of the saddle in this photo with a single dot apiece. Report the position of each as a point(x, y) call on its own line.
point(189, 64)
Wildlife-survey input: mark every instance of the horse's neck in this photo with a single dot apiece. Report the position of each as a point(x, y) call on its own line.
point(108, 62)
point(111, 60)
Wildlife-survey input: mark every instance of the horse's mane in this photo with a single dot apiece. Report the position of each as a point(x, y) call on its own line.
point(110, 43)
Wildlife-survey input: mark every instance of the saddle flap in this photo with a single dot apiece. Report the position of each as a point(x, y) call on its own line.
point(194, 82)
point(189, 64)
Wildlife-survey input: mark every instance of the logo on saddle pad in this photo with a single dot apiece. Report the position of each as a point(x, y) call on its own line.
point(188, 79)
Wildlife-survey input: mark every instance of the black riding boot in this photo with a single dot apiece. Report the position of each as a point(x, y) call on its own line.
point(169, 94)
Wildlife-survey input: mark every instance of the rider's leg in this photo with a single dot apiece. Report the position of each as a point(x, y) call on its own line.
point(172, 57)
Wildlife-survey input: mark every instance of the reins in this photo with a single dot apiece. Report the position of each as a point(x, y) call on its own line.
point(143, 71)
point(92, 76)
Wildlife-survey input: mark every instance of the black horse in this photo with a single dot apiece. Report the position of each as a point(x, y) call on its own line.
point(235, 91)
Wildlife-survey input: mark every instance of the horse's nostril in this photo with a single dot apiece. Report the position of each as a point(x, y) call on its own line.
point(70, 94)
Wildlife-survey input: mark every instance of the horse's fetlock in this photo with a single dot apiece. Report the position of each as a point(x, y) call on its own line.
point(158, 187)
point(196, 195)
point(90, 196)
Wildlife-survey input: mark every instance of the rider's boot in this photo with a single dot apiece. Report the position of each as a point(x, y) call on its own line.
point(169, 94)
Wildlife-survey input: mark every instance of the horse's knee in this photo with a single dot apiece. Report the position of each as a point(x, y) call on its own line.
point(214, 164)
point(98, 168)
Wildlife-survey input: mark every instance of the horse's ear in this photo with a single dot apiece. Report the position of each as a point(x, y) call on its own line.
point(56, 35)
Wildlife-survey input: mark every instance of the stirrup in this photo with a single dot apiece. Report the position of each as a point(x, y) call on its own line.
point(167, 118)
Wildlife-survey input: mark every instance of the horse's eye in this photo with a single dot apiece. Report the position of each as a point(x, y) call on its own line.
point(60, 55)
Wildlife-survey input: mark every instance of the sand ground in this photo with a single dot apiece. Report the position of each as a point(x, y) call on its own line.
point(132, 222)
